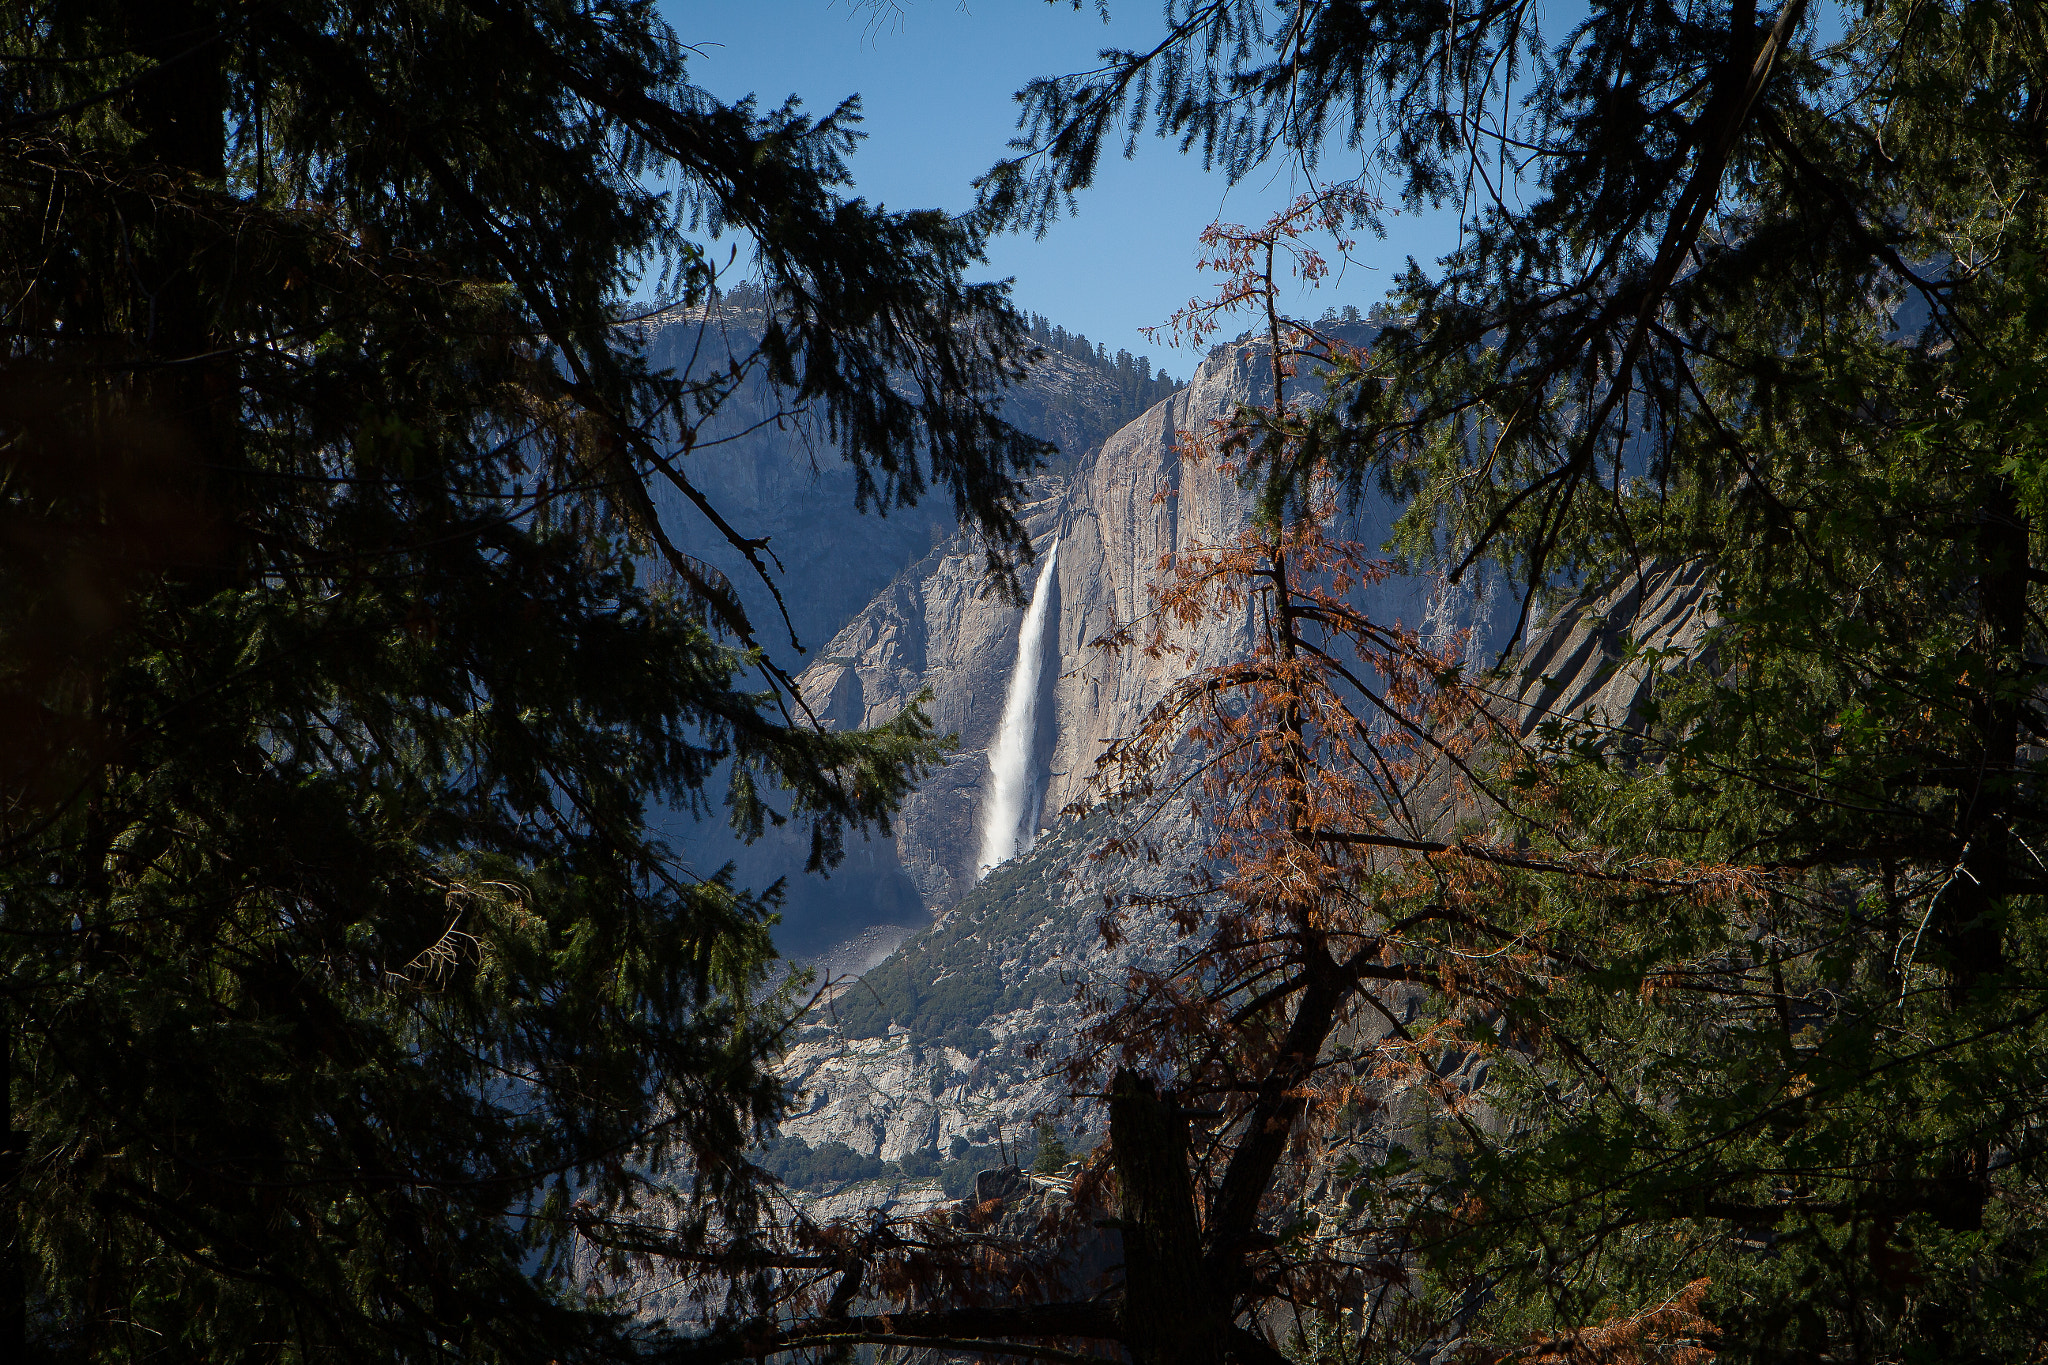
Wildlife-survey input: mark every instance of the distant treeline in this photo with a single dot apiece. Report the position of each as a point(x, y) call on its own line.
point(1121, 385)
point(946, 986)
point(1138, 388)
point(801, 1166)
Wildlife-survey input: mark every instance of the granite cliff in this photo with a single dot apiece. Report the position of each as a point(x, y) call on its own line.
point(935, 628)
point(938, 1049)
point(937, 1052)
point(960, 1036)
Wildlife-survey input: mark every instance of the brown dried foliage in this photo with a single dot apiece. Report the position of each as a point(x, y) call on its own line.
point(1361, 846)
point(1670, 1333)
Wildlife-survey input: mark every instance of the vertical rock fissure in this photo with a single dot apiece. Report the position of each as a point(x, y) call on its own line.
point(1009, 820)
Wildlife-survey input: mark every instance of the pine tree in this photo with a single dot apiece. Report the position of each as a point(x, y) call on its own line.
point(1765, 302)
point(343, 656)
point(1052, 1154)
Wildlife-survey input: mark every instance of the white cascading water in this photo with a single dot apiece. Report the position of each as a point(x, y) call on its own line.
point(1009, 822)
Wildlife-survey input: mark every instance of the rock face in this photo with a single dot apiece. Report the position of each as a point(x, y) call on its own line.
point(964, 1031)
point(778, 476)
point(1127, 505)
point(1596, 658)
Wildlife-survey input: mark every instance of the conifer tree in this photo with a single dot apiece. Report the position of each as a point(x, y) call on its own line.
point(343, 656)
point(1755, 291)
point(1749, 294)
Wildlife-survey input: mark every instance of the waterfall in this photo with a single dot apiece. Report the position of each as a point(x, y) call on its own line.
point(1012, 806)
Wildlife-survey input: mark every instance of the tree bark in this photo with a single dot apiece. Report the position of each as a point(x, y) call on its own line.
point(1968, 915)
point(1969, 912)
point(187, 387)
point(1171, 1315)
point(1278, 1104)
point(13, 1255)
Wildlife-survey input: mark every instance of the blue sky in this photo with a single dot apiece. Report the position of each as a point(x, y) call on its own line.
point(936, 79)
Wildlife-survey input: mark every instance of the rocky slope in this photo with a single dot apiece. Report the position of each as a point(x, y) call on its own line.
point(947, 1055)
point(935, 627)
point(778, 477)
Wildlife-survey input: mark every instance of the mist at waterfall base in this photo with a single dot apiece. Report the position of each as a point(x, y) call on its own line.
point(1010, 819)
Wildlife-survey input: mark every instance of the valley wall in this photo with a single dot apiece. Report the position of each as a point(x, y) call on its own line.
point(944, 1040)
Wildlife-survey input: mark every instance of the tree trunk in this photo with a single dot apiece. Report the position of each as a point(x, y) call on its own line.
point(1171, 1316)
point(13, 1255)
point(188, 386)
point(1970, 910)
point(1969, 923)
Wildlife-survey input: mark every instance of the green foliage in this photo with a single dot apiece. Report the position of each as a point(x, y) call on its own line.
point(1762, 295)
point(796, 1163)
point(343, 655)
point(945, 983)
point(1052, 1154)
point(821, 1169)
point(956, 1176)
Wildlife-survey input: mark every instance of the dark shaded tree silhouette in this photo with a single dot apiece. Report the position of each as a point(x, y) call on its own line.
point(344, 653)
point(1754, 291)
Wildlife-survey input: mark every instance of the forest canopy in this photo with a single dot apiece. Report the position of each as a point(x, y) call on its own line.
point(344, 655)
point(346, 988)
point(1746, 306)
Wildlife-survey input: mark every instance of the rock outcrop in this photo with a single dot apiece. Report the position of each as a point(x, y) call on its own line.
point(1596, 658)
point(963, 1033)
point(935, 628)
point(776, 476)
